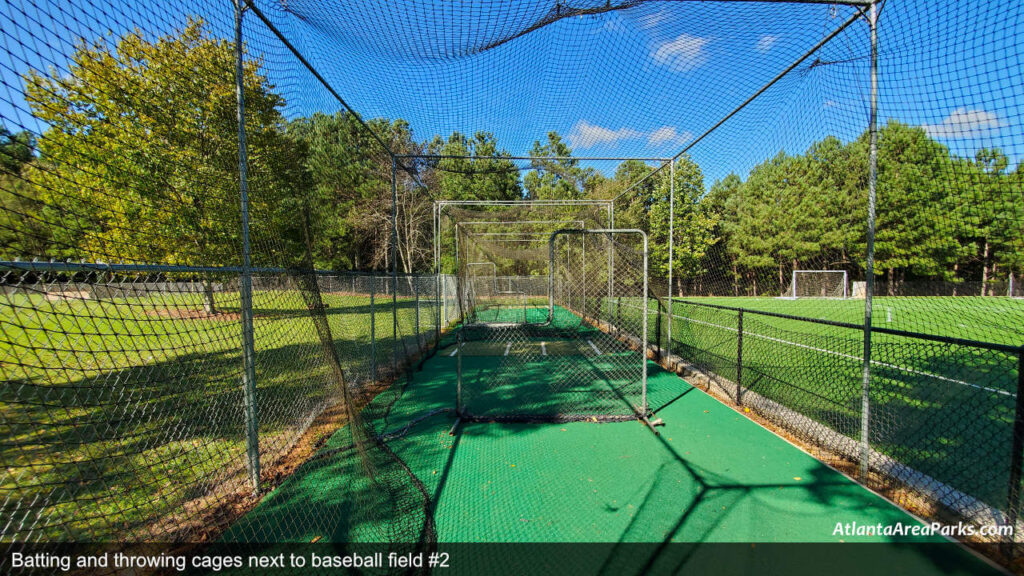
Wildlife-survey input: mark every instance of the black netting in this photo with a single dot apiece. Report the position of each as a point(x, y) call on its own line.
point(833, 245)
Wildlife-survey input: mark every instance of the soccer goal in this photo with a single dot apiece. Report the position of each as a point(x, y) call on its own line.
point(818, 284)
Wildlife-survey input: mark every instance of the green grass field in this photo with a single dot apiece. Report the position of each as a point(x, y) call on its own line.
point(942, 409)
point(986, 319)
point(118, 412)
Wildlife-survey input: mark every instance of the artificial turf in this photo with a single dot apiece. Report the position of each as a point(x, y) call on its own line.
point(944, 409)
point(711, 476)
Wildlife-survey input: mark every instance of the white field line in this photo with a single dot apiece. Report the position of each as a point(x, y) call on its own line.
point(507, 347)
point(543, 349)
point(596, 349)
point(851, 357)
point(843, 355)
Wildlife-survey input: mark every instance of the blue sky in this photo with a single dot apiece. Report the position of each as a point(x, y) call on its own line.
point(637, 82)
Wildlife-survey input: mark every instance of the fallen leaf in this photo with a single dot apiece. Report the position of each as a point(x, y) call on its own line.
point(797, 478)
point(315, 540)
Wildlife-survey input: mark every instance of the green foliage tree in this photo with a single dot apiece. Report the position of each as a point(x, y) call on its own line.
point(914, 234)
point(24, 232)
point(142, 153)
point(721, 203)
point(693, 227)
point(555, 175)
point(466, 179)
point(635, 194)
point(16, 150)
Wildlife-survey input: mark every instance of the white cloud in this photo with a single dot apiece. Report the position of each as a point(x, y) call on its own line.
point(587, 135)
point(648, 21)
point(964, 123)
point(765, 43)
point(613, 24)
point(682, 54)
point(667, 134)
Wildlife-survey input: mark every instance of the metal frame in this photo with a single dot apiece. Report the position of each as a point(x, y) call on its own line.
point(795, 272)
point(867, 9)
point(869, 288)
point(252, 447)
point(439, 206)
point(644, 409)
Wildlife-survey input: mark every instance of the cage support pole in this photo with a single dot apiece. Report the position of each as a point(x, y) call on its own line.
point(373, 329)
point(442, 310)
point(416, 295)
point(583, 301)
point(869, 284)
point(394, 264)
point(1016, 456)
point(252, 446)
point(739, 358)
point(671, 246)
point(611, 262)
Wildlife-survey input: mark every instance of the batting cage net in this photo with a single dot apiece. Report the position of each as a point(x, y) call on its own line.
point(569, 355)
point(233, 232)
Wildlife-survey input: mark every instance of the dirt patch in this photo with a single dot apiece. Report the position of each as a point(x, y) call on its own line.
point(204, 519)
point(68, 295)
point(190, 314)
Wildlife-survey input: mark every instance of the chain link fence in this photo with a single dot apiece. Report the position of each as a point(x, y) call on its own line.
point(938, 426)
point(124, 414)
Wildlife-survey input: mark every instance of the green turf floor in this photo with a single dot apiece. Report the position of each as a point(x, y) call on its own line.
point(711, 476)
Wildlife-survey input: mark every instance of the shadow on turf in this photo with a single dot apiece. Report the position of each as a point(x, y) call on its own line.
point(936, 408)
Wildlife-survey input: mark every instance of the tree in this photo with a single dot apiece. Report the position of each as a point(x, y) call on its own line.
point(758, 231)
point(635, 193)
point(721, 204)
point(24, 217)
point(987, 211)
point(692, 230)
point(466, 179)
point(556, 175)
point(16, 150)
point(913, 234)
point(142, 153)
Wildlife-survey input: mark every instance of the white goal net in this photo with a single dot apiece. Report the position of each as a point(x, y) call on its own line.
point(818, 284)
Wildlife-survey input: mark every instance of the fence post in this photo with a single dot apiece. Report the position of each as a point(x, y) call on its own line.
point(1017, 456)
point(252, 446)
point(373, 330)
point(416, 294)
point(671, 248)
point(869, 269)
point(618, 314)
point(394, 265)
point(657, 325)
point(739, 358)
